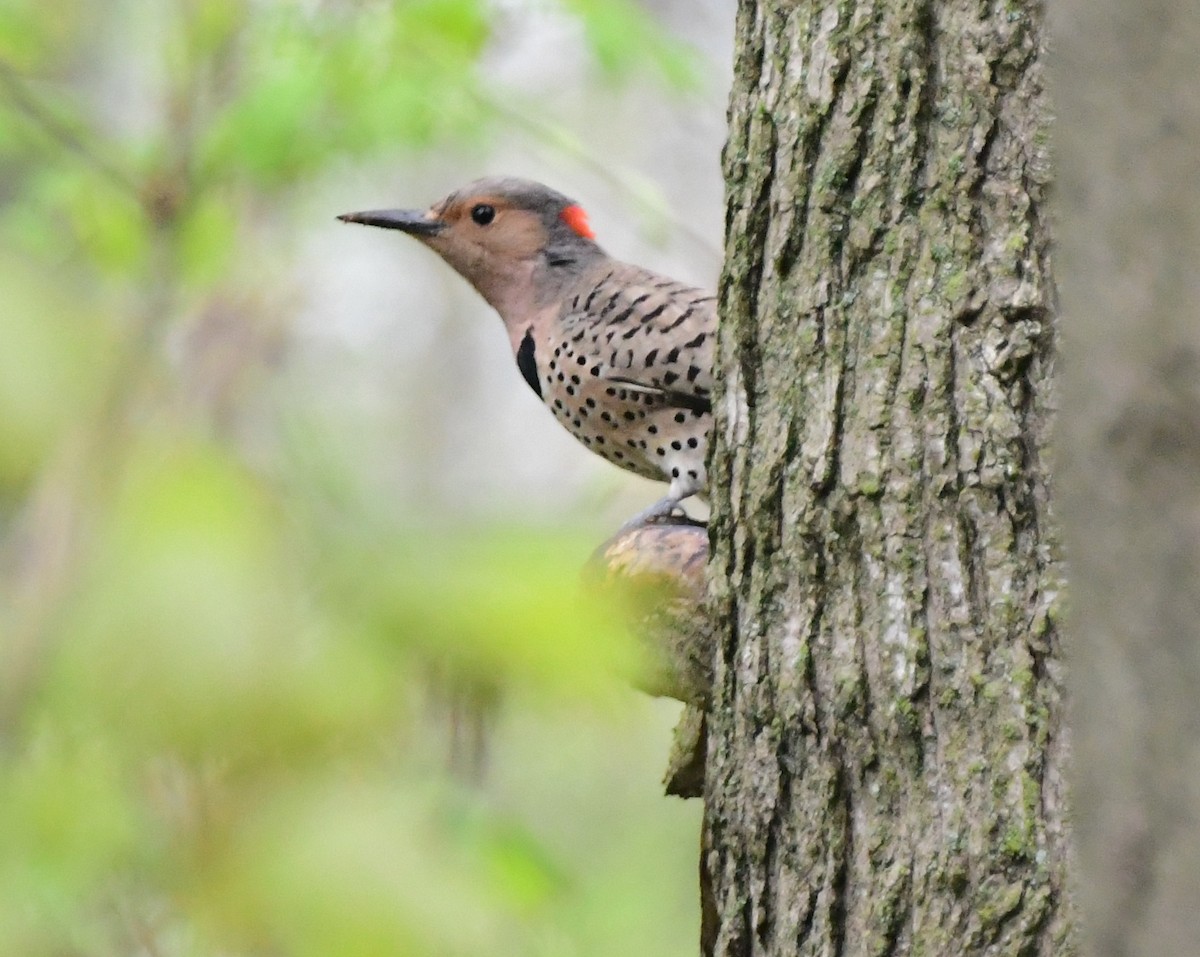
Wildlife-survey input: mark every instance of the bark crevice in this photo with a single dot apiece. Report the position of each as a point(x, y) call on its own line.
point(886, 724)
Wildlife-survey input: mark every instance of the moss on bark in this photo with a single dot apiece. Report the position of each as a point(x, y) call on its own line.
point(886, 744)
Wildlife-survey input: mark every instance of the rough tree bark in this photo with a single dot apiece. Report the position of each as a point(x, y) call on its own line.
point(1129, 143)
point(885, 766)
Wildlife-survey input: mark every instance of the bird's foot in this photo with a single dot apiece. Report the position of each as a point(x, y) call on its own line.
point(663, 509)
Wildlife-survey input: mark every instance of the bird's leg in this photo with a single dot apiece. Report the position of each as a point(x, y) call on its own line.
point(665, 506)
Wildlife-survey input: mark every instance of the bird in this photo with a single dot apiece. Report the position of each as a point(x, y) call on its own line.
point(622, 356)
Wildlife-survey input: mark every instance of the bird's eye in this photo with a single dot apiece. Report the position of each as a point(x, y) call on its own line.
point(483, 214)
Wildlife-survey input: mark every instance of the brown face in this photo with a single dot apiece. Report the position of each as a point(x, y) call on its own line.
point(484, 233)
point(497, 234)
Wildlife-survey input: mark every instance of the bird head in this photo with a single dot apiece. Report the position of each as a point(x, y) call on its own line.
point(497, 233)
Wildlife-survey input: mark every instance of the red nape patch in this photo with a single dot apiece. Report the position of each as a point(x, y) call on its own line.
point(576, 218)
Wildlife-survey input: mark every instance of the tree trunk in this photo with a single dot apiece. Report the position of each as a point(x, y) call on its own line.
point(886, 757)
point(1130, 151)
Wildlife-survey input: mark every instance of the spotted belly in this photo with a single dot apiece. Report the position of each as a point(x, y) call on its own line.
point(635, 429)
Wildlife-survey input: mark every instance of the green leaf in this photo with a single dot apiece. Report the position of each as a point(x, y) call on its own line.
point(208, 238)
point(69, 823)
point(29, 37)
point(491, 605)
point(356, 868)
point(106, 220)
point(626, 40)
point(186, 632)
point(58, 349)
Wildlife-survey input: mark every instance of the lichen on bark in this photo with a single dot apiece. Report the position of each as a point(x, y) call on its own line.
point(885, 768)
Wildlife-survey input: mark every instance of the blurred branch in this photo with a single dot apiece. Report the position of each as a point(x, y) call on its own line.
point(39, 554)
point(43, 550)
point(24, 101)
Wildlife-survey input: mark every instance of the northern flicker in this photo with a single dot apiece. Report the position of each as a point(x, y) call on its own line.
point(621, 356)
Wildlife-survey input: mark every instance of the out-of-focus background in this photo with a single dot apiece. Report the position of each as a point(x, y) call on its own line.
point(283, 534)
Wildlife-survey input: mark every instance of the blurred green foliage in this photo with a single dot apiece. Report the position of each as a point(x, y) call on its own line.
point(216, 669)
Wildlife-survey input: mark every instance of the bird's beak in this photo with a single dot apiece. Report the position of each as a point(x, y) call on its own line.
point(415, 222)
